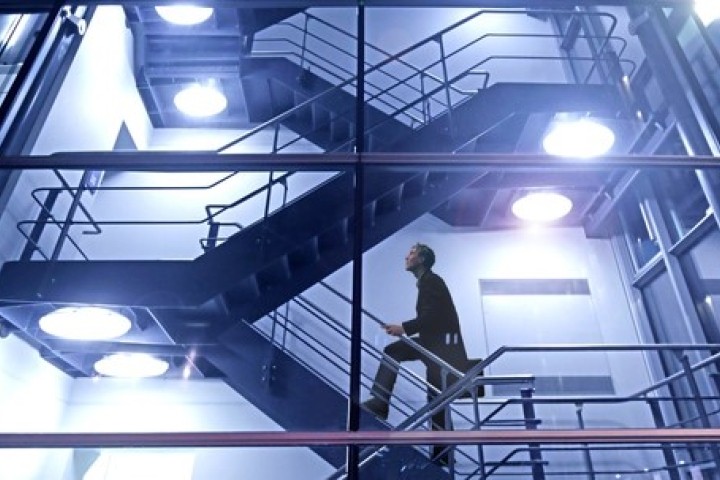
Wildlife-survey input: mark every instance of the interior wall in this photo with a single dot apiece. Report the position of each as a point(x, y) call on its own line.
point(34, 398)
point(156, 405)
point(96, 98)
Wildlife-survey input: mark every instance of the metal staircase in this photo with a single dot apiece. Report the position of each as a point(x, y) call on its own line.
point(212, 299)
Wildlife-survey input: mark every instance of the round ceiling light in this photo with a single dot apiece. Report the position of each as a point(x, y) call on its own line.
point(199, 101)
point(581, 138)
point(131, 365)
point(85, 323)
point(707, 10)
point(542, 207)
point(184, 14)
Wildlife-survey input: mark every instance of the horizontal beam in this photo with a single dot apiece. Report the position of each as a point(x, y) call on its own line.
point(211, 161)
point(28, 5)
point(624, 436)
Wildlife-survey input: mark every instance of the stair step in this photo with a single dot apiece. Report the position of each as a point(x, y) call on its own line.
point(391, 201)
point(282, 98)
point(276, 272)
point(308, 254)
point(247, 290)
point(340, 129)
point(416, 186)
point(320, 118)
point(303, 114)
point(336, 237)
point(370, 211)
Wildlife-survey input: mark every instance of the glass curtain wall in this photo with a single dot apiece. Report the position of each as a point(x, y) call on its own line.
point(280, 258)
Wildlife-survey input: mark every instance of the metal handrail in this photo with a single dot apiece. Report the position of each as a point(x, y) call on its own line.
point(378, 67)
point(367, 347)
point(210, 216)
point(458, 388)
point(340, 363)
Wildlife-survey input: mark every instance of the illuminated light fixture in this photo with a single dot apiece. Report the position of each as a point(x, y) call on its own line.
point(184, 14)
point(200, 101)
point(541, 207)
point(85, 323)
point(707, 10)
point(580, 138)
point(131, 365)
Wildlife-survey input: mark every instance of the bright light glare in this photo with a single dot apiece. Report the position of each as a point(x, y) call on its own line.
point(15, 29)
point(131, 365)
point(581, 138)
point(184, 14)
point(199, 101)
point(707, 10)
point(85, 323)
point(542, 207)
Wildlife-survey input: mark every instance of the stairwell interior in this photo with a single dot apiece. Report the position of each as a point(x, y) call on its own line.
point(238, 243)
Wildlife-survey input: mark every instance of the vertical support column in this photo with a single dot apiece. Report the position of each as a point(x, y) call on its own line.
point(45, 214)
point(674, 269)
point(353, 418)
point(697, 126)
point(702, 411)
point(538, 471)
point(69, 218)
point(586, 447)
point(476, 418)
point(446, 78)
point(667, 451)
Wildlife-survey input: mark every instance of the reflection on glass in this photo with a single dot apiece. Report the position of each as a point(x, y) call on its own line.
point(17, 34)
point(684, 202)
point(638, 231)
point(241, 282)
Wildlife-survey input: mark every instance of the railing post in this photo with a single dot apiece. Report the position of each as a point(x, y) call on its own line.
point(268, 197)
point(702, 411)
point(668, 452)
point(476, 417)
point(213, 234)
point(426, 101)
point(304, 42)
point(586, 447)
point(33, 241)
point(538, 472)
point(70, 216)
point(446, 84)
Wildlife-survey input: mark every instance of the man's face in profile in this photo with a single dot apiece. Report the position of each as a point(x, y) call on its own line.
point(412, 260)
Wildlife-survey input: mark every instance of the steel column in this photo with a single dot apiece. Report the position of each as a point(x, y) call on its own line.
point(668, 453)
point(353, 417)
point(538, 471)
point(702, 411)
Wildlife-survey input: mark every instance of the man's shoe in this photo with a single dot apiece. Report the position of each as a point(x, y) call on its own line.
point(377, 407)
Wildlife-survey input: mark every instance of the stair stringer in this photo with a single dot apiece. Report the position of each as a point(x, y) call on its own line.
point(273, 79)
point(291, 395)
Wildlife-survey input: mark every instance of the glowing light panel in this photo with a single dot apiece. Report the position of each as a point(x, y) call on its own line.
point(542, 207)
point(131, 365)
point(581, 138)
point(85, 323)
point(707, 10)
point(200, 101)
point(184, 14)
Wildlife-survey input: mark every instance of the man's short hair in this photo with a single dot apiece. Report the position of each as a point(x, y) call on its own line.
point(426, 254)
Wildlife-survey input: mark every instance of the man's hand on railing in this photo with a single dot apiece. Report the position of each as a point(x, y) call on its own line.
point(394, 330)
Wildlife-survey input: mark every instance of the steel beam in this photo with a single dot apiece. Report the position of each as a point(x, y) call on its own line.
point(211, 161)
point(33, 5)
point(640, 436)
